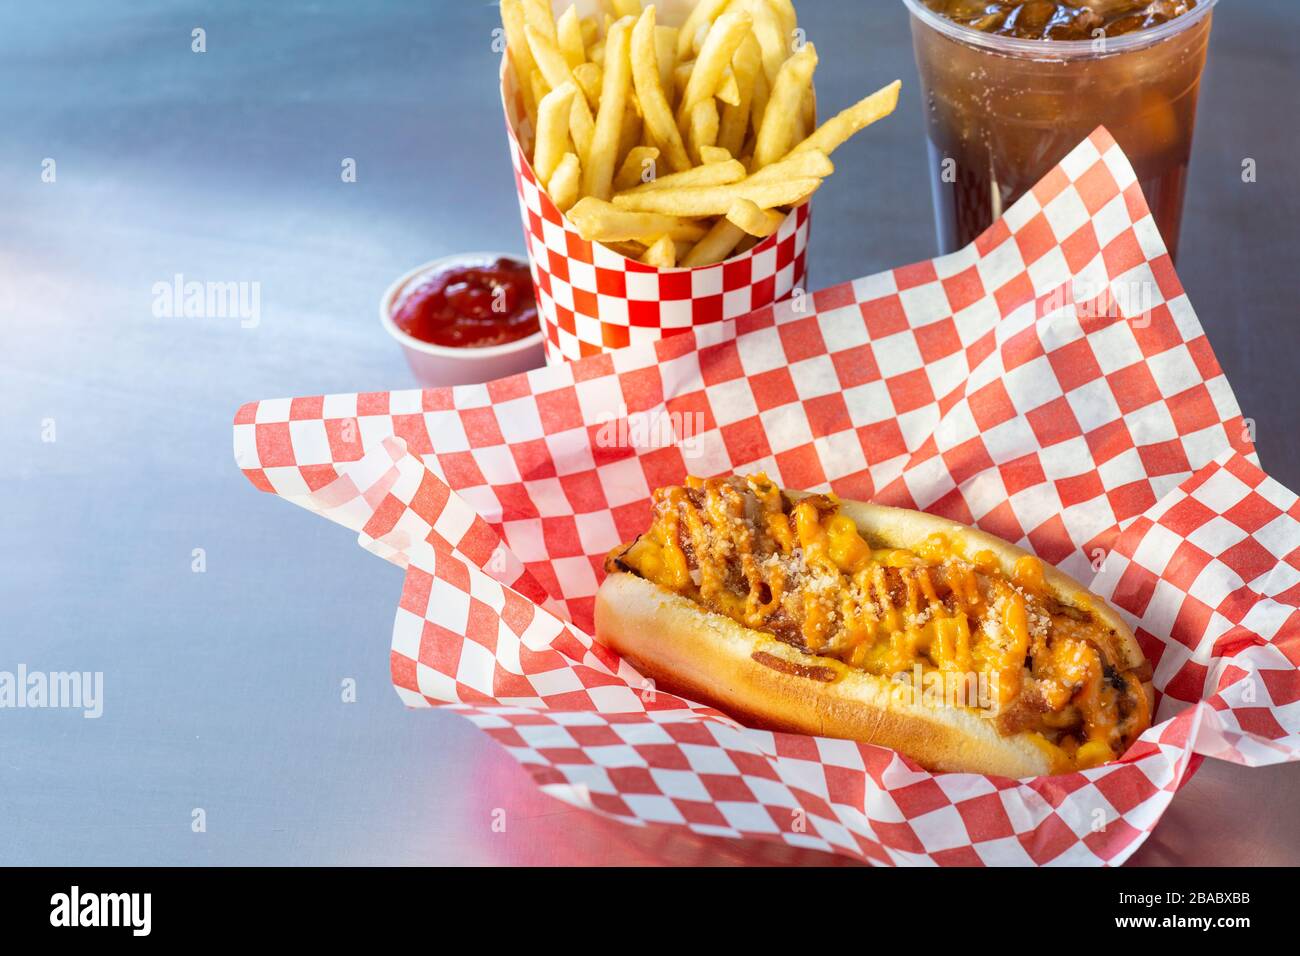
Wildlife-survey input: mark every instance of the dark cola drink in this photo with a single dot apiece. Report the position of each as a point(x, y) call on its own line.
point(1011, 88)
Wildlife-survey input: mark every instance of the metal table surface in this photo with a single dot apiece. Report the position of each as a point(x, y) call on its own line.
point(222, 688)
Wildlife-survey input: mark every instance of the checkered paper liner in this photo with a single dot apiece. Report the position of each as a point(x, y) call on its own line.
point(987, 386)
point(592, 299)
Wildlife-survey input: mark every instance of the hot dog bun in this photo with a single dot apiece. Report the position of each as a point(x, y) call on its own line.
point(762, 682)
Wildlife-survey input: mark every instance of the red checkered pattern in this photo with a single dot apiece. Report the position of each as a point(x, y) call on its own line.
point(1050, 384)
point(592, 299)
point(1211, 575)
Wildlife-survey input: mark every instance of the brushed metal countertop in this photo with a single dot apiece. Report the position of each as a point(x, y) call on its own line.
point(222, 689)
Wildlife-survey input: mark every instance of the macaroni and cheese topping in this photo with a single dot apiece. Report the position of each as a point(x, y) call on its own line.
point(801, 572)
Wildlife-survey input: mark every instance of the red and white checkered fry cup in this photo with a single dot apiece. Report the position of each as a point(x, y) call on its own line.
point(592, 299)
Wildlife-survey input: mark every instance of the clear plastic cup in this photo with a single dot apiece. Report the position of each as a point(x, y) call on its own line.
point(1001, 112)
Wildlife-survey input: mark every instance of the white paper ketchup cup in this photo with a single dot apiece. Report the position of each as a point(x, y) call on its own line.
point(437, 365)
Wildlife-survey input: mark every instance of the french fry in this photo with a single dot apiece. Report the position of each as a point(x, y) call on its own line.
point(632, 173)
point(666, 54)
point(626, 8)
point(658, 115)
point(596, 45)
point(588, 76)
point(553, 130)
point(776, 135)
point(716, 245)
point(630, 134)
point(682, 76)
point(538, 15)
point(565, 182)
point(755, 221)
point(546, 52)
point(703, 130)
point(704, 12)
point(590, 31)
point(724, 37)
point(758, 108)
point(808, 164)
point(568, 34)
point(697, 41)
point(540, 89)
point(714, 154)
point(711, 174)
point(662, 254)
point(728, 90)
point(600, 160)
point(844, 124)
point(521, 58)
point(715, 200)
point(555, 68)
point(581, 126)
point(773, 42)
point(746, 63)
point(599, 221)
point(808, 112)
point(785, 15)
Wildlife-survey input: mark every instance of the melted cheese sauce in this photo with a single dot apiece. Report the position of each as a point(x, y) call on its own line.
point(803, 573)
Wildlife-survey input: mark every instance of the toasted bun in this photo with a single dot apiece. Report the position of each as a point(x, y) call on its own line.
point(765, 683)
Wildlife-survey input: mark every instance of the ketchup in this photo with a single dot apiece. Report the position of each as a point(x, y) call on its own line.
point(470, 306)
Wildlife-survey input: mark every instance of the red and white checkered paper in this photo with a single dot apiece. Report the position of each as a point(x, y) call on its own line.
point(975, 386)
point(592, 299)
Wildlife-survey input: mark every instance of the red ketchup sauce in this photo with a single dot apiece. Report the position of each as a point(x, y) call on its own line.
point(470, 306)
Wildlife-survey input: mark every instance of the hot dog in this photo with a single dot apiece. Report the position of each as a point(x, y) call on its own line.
point(810, 614)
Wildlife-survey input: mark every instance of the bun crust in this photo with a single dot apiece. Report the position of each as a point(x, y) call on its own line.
point(709, 658)
point(765, 683)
